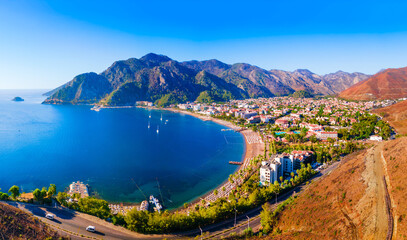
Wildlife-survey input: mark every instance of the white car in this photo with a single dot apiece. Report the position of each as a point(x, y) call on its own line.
point(49, 216)
point(90, 229)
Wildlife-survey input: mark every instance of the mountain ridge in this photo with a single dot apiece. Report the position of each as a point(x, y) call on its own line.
point(156, 78)
point(388, 84)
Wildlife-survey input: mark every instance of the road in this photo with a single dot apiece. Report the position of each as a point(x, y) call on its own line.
point(225, 228)
point(73, 224)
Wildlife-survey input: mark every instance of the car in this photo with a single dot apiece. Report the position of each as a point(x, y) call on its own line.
point(90, 229)
point(49, 216)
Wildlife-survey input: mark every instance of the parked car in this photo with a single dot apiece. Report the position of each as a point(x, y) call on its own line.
point(49, 216)
point(90, 229)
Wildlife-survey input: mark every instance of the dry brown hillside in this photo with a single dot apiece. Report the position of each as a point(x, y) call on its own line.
point(396, 115)
point(388, 84)
point(395, 153)
point(346, 204)
point(17, 224)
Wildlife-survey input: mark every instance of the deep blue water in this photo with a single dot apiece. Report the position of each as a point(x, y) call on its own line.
point(112, 150)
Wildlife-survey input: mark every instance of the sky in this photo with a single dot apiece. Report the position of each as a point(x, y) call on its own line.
point(44, 44)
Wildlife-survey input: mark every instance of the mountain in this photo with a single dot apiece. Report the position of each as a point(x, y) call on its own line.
point(347, 203)
point(153, 77)
point(387, 84)
point(343, 80)
point(165, 81)
point(396, 115)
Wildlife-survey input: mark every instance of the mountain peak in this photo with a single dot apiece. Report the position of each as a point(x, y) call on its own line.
point(157, 58)
point(303, 71)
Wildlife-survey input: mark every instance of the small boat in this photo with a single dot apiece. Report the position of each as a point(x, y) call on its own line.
point(96, 108)
point(148, 125)
point(161, 117)
point(158, 129)
point(149, 116)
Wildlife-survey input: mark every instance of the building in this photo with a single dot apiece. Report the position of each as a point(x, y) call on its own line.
point(255, 119)
point(282, 165)
point(269, 172)
point(79, 187)
point(325, 135)
point(144, 103)
point(282, 122)
point(375, 138)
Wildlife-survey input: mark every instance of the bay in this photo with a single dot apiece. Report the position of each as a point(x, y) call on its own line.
point(112, 150)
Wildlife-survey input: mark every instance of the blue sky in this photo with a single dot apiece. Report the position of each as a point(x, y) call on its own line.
point(44, 44)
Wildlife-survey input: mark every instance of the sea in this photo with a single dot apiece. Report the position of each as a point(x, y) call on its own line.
point(117, 152)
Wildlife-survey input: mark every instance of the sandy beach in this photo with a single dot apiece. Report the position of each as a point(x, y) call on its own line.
point(253, 147)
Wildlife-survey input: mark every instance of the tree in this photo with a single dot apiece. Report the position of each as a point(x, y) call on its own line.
point(52, 190)
point(313, 139)
point(215, 192)
point(37, 195)
point(43, 193)
point(15, 191)
point(185, 205)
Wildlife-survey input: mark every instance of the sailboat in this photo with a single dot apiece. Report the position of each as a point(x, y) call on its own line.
point(161, 117)
point(158, 129)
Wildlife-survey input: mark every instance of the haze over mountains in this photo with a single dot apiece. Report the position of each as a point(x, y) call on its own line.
point(165, 81)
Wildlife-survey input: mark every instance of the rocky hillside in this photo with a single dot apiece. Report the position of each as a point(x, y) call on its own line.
point(396, 115)
point(165, 81)
point(387, 84)
point(16, 224)
point(348, 203)
point(395, 155)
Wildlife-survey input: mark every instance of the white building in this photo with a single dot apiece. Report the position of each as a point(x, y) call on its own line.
point(376, 138)
point(270, 172)
point(282, 166)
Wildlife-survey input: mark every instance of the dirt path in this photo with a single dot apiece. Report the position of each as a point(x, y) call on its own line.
point(373, 204)
point(380, 222)
point(381, 213)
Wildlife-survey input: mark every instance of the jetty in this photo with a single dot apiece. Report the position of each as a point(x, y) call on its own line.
point(235, 163)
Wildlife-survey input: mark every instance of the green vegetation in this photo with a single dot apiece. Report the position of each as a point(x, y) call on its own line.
point(89, 205)
point(269, 218)
point(14, 191)
point(302, 94)
point(204, 97)
point(169, 99)
point(244, 198)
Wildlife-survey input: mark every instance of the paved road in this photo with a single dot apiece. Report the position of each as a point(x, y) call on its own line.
point(227, 227)
point(74, 224)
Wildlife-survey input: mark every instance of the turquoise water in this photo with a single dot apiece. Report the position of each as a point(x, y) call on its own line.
point(112, 150)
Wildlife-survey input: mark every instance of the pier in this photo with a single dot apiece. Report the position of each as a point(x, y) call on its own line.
point(235, 163)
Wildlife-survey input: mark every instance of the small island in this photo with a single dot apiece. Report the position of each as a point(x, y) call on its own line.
point(17, 99)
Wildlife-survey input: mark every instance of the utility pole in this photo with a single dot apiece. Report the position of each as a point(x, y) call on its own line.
point(235, 217)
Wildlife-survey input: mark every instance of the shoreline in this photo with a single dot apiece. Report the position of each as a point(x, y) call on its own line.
point(251, 150)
